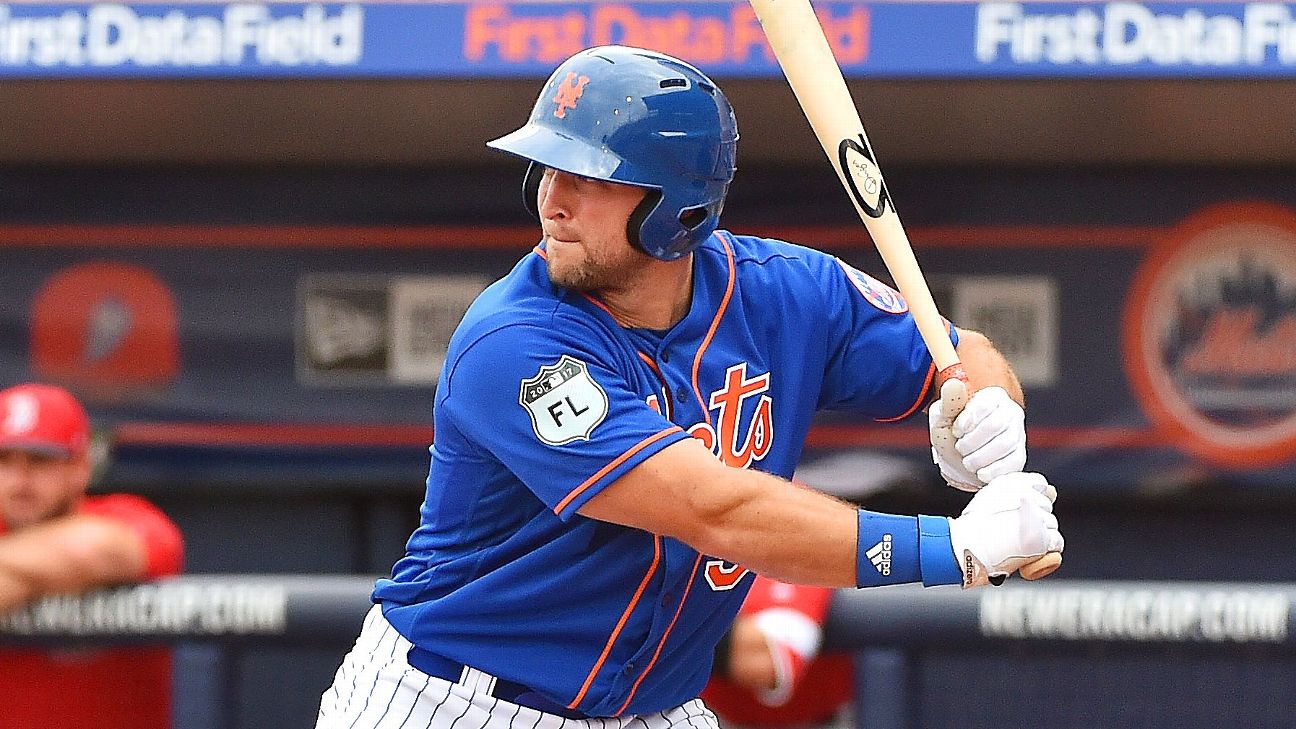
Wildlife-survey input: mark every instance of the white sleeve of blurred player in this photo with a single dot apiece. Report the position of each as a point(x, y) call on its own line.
point(794, 640)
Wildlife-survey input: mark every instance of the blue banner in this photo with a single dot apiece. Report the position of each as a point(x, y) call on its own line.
point(527, 39)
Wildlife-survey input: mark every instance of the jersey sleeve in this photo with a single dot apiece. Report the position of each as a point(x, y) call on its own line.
point(877, 364)
point(163, 543)
point(555, 409)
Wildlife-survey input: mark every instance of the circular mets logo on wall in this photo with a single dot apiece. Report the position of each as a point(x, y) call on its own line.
point(1210, 335)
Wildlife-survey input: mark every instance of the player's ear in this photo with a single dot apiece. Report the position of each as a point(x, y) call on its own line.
point(80, 472)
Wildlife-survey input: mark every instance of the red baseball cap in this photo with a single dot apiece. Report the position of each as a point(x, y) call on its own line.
point(43, 419)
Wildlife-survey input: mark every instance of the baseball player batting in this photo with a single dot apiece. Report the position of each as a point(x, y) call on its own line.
point(616, 421)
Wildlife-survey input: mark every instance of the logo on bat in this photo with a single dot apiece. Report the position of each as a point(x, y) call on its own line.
point(863, 176)
point(570, 90)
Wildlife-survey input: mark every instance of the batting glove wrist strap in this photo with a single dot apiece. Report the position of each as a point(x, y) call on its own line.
point(1006, 525)
point(887, 550)
point(936, 552)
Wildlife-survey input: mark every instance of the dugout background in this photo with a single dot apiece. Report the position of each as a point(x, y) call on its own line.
point(377, 153)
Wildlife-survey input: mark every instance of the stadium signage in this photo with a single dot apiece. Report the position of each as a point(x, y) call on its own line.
point(526, 38)
point(110, 34)
point(1130, 33)
point(1167, 614)
point(165, 608)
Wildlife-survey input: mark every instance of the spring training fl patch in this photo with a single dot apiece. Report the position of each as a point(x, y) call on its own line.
point(564, 402)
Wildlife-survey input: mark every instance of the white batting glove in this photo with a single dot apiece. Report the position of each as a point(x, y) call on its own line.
point(973, 444)
point(1008, 524)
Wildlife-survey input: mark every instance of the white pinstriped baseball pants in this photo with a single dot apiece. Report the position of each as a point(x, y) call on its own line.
point(377, 688)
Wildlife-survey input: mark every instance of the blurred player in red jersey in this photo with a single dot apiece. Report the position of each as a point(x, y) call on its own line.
point(769, 671)
point(56, 539)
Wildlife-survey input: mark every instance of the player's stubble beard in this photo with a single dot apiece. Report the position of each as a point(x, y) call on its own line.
point(611, 266)
point(63, 506)
point(53, 490)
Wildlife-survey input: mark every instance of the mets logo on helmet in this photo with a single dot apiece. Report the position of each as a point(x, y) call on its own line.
point(569, 92)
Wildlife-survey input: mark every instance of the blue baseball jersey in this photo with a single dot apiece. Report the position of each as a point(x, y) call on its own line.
point(545, 400)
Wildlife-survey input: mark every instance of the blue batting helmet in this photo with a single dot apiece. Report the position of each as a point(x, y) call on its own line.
point(640, 118)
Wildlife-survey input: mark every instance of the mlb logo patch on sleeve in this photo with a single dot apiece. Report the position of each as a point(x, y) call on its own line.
point(564, 402)
point(877, 293)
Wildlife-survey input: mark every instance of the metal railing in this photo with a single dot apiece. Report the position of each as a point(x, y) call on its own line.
point(887, 628)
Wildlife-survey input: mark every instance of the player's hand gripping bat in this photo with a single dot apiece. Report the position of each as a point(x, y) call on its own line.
point(803, 52)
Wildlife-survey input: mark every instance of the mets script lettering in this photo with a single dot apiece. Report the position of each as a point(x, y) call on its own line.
point(735, 446)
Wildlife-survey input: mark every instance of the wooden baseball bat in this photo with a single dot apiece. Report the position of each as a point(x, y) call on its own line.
point(802, 50)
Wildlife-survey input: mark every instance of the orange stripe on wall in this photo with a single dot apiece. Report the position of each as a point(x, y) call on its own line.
point(271, 434)
point(976, 236)
point(520, 237)
point(343, 435)
point(854, 436)
point(269, 236)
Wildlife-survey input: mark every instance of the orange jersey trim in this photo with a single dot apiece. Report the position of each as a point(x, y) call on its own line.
point(666, 401)
point(651, 364)
point(605, 308)
point(616, 462)
point(616, 632)
point(922, 396)
point(715, 324)
point(662, 643)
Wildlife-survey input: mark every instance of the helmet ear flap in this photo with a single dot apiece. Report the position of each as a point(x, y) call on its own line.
point(531, 188)
point(634, 225)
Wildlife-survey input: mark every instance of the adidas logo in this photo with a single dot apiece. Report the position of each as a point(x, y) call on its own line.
point(880, 555)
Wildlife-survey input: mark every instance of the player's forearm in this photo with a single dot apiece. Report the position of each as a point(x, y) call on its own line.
point(781, 530)
point(771, 526)
point(986, 366)
point(795, 534)
point(15, 590)
point(70, 554)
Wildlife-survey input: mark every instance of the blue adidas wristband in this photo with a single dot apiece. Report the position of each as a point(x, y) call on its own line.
point(887, 550)
point(896, 549)
point(936, 552)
